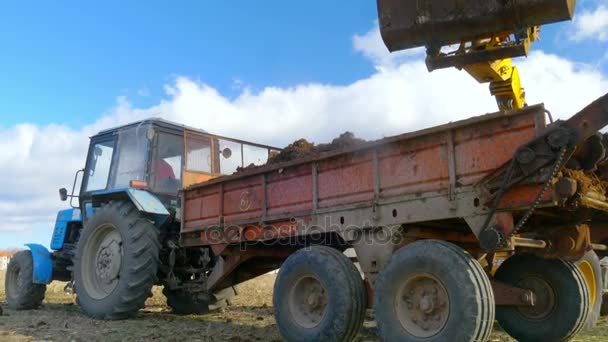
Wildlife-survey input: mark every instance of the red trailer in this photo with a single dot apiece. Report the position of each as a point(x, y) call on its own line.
point(427, 213)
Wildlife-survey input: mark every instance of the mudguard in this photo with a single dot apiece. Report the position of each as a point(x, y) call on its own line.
point(143, 200)
point(43, 265)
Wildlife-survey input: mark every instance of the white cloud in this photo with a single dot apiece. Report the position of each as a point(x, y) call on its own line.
point(400, 96)
point(371, 46)
point(591, 24)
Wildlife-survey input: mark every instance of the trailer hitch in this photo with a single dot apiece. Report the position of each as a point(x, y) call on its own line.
point(554, 147)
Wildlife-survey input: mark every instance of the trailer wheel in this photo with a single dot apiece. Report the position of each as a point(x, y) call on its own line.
point(319, 295)
point(21, 292)
point(186, 303)
point(562, 299)
point(116, 262)
point(433, 290)
point(590, 268)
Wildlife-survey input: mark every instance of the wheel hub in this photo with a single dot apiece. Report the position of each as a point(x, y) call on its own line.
point(545, 298)
point(101, 261)
point(422, 306)
point(308, 301)
point(109, 259)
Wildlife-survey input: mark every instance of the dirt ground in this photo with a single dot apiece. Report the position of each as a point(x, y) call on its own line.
point(250, 318)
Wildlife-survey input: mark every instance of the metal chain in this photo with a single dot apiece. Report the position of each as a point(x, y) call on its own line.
point(556, 168)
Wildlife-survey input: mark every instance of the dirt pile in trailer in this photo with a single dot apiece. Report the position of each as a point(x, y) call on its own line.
point(303, 148)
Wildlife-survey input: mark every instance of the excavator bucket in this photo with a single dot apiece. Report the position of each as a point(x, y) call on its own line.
point(407, 24)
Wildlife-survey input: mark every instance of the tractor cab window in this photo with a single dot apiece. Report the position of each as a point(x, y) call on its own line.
point(199, 156)
point(254, 155)
point(100, 160)
point(132, 154)
point(167, 161)
point(230, 155)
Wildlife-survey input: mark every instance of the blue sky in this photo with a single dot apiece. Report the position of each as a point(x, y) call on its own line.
point(269, 71)
point(68, 64)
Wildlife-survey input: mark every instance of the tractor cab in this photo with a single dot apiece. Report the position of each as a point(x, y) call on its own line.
point(160, 158)
point(128, 201)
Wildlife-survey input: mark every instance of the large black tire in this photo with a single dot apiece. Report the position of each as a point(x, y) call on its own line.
point(319, 295)
point(200, 303)
point(131, 277)
point(21, 292)
point(433, 290)
point(591, 270)
point(562, 299)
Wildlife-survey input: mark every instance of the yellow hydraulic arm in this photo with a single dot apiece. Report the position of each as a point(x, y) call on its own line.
point(479, 36)
point(503, 76)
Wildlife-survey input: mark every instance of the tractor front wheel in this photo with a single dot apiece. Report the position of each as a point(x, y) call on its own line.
point(21, 292)
point(116, 262)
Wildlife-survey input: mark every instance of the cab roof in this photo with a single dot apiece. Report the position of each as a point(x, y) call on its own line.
point(177, 127)
point(156, 121)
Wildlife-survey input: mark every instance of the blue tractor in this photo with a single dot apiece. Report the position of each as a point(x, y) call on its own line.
point(121, 235)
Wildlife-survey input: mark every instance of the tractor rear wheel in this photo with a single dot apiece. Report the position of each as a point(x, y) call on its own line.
point(21, 292)
point(562, 299)
point(116, 262)
point(198, 303)
point(433, 290)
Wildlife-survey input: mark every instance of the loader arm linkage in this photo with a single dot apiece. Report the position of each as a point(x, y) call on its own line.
point(490, 61)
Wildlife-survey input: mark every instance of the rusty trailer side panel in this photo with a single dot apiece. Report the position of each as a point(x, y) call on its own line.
point(382, 182)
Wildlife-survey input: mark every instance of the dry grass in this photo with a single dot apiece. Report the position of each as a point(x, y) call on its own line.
point(250, 318)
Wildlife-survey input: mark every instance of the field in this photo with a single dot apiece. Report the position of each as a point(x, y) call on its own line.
point(250, 318)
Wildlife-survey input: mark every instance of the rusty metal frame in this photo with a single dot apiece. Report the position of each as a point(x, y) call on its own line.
point(229, 263)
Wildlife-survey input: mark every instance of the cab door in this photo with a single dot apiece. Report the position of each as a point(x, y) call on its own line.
point(97, 171)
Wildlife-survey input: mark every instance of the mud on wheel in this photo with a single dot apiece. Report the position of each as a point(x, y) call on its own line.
point(433, 290)
point(319, 296)
point(116, 262)
point(562, 299)
point(21, 292)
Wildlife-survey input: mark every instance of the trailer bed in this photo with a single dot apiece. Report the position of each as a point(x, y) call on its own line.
point(357, 185)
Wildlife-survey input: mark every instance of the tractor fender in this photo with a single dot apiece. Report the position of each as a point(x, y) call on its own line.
point(43, 265)
point(143, 200)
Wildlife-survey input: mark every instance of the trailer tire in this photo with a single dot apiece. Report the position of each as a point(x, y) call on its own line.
point(319, 295)
point(433, 290)
point(591, 270)
point(185, 303)
point(562, 305)
point(21, 292)
point(116, 262)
